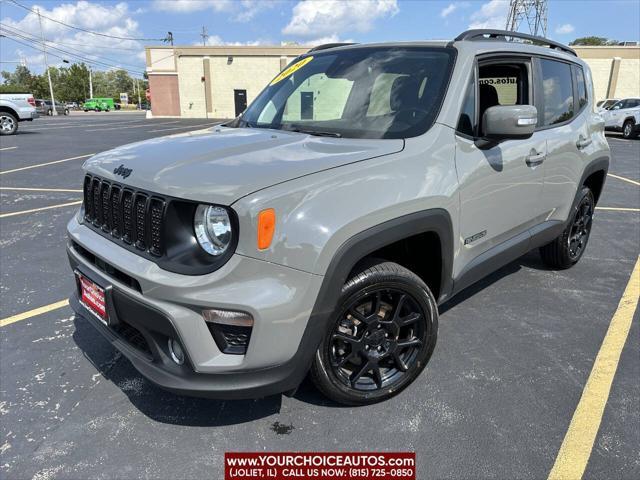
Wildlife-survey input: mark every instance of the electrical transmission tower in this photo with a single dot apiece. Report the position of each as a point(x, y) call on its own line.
point(533, 11)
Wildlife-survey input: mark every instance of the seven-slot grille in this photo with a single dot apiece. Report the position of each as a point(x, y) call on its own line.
point(133, 217)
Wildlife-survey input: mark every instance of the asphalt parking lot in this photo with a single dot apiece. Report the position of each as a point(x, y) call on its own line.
point(496, 401)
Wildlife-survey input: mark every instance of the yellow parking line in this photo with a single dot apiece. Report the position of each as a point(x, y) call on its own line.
point(624, 179)
point(618, 209)
point(578, 442)
point(47, 163)
point(21, 189)
point(7, 148)
point(23, 212)
point(32, 313)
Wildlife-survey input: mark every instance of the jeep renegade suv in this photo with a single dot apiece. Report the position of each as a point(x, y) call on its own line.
point(318, 231)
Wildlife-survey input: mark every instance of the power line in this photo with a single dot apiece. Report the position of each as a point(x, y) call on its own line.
point(70, 54)
point(30, 37)
point(85, 30)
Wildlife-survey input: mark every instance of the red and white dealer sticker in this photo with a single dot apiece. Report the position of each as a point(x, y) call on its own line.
point(320, 466)
point(92, 297)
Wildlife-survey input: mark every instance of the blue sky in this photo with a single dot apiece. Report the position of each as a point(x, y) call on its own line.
point(268, 22)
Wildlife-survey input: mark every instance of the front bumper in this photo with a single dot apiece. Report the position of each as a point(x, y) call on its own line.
point(159, 305)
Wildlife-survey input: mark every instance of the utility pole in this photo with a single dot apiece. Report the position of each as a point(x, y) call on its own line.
point(169, 38)
point(138, 89)
point(46, 66)
point(204, 35)
point(90, 83)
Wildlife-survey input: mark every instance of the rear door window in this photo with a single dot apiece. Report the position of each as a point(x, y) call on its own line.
point(557, 86)
point(581, 85)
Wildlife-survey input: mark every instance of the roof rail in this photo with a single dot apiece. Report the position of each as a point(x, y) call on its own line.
point(501, 35)
point(329, 45)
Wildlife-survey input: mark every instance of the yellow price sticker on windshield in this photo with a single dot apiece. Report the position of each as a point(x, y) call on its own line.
point(290, 70)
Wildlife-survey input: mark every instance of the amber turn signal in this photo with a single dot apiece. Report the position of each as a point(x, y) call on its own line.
point(266, 227)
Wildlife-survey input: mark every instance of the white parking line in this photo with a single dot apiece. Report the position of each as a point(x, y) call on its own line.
point(186, 126)
point(624, 179)
point(7, 148)
point(33, 210)
point(47, 163)
point(128, 126)
point(83, 124)
point(22, 189)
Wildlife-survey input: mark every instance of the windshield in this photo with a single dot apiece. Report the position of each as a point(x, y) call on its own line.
point(369, 92)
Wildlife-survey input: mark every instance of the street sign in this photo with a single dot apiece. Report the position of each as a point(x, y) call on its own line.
point(124, 98)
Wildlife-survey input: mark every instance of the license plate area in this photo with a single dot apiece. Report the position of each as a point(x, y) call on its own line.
point(93, 297)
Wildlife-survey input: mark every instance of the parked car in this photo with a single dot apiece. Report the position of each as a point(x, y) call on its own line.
point(99, 104)
point(606, 104)
point(15, 108)
point(319, 231)
point(72, 105)
point(45, 107)
point(624, 116)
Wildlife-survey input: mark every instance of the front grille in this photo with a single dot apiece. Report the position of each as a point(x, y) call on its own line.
point(125, 215)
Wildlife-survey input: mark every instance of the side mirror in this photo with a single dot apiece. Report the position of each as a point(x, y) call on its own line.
point(509, 122)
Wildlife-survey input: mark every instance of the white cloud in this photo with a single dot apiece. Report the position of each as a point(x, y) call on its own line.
point(327, 18)
point(216, 40)
point(564, 29)
point(492, 14)
point(111, 20)
point(446, 11)
point(193, 5)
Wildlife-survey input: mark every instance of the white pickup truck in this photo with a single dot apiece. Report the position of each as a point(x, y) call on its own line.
point(14, 108)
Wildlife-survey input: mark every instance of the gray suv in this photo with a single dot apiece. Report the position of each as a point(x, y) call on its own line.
point(318, 232)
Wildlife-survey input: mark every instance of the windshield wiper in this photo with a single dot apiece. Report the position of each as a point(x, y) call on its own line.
point(316, 133)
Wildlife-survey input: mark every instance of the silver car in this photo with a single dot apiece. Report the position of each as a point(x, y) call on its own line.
point(318, 232)
point(45, 107)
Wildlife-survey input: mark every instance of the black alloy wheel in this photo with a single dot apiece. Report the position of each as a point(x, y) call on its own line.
point(381, 336)
point(581, 228)
point(377, 340)
point(568, 247)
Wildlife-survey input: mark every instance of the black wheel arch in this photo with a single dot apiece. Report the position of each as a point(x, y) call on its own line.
point(9, 110)
point(594, 177)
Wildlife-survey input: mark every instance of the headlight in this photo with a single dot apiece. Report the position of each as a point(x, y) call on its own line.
point(213, 229)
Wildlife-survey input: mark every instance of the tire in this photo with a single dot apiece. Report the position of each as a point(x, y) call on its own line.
point(49, 112)
point(66, 111)
point(565, 251)
point(8, 123)
point(628, 129)
point(380, 337)
point(86, 110)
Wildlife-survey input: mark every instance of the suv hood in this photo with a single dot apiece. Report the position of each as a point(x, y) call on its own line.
point(221, 165)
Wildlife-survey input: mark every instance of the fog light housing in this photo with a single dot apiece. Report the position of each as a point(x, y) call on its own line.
point(230, 330)
point(176, 351)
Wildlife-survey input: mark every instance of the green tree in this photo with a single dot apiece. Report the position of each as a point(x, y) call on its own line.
point(593, 41)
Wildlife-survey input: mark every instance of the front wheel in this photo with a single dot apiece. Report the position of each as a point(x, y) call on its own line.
point(627, 129)
point(66, 111)
point(8, 123)
point(380, 338)
point(49, 112)
point(566, 250)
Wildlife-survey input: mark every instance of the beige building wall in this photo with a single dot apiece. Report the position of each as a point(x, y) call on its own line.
point(243, 73)
point(191, 87)
point(601, 61)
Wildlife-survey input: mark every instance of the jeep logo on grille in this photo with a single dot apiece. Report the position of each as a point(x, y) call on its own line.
point(122, 171)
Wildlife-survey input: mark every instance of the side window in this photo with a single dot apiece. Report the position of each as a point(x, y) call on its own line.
point(557, 92)
point(466, 122)
point(501, 83)
point(582, 87)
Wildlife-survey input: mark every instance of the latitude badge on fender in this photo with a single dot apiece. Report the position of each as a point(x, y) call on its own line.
point(122, 171)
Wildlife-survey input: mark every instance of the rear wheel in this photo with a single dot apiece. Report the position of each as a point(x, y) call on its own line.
point(381, 336)
point(66, 111)
point(49, 112)
point(566, 250)
point(628, 129)
point(8, 123)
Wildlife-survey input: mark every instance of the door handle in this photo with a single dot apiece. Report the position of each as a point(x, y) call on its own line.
point(535, 159)
point(583, 142)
